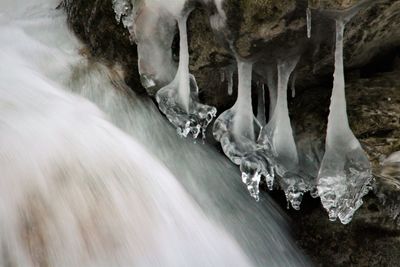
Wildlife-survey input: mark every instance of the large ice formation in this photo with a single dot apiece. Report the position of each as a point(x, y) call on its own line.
point(265, 147)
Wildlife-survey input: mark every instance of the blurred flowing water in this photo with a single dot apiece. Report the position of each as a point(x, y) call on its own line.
point(107, 182)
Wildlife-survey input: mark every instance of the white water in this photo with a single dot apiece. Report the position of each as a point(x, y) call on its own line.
point(77, 191)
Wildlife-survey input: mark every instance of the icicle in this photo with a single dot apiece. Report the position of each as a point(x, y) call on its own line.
point(218, 20)
point(282, 135)
point(345, 170)
point(183, 69)
point(154, 33)
point(261, 105)
point(243, 120)
point(235, 128)
point(276, 151)
point(309, 21)
point(272, 88)
point(222, 73)
point(230, 82)
point(277, 139)
point(293, 84)
point(178, 100)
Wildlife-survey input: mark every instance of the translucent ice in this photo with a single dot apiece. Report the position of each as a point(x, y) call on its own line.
point(227, 76)
point(277, 134)
point(261, 105)
point(124, 12)
point(293, 84)
point(154, 23)
point(277, 138)
point(217, 20)
point(275, 152)
point(272, 89)
point(345, 170)
point(230, 81)
point(309, 21)
point(254, 165)
point(154, 34)
point(235, 128)
point(178, 100)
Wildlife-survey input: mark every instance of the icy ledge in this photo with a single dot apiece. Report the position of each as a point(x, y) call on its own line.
point(345, 171)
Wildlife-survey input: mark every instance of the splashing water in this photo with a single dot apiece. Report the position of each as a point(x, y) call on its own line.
point(345, 170)
point(77, 191)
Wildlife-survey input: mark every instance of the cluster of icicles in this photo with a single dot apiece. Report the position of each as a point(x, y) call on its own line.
point(264, 150)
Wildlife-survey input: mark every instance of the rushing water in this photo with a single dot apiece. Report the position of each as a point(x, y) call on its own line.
point(80, 187)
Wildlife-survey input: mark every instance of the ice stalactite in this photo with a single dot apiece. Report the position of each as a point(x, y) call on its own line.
point(217, 20)
point(261, 105)
point(275, 153)
point(278, 133)
point(243, 121)
point(227, 76)
point(154, 35)
point(235, 128)
point(345, 171)
point(293, 84)
point(179, 99)
point(183, 69)
point(309, 22)
point(277, 139)
point(272, 89)
point(271, 151)
point(154, 23)
point(230, 81)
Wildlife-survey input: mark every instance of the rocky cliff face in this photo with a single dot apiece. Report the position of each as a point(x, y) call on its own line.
point(264, 30)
